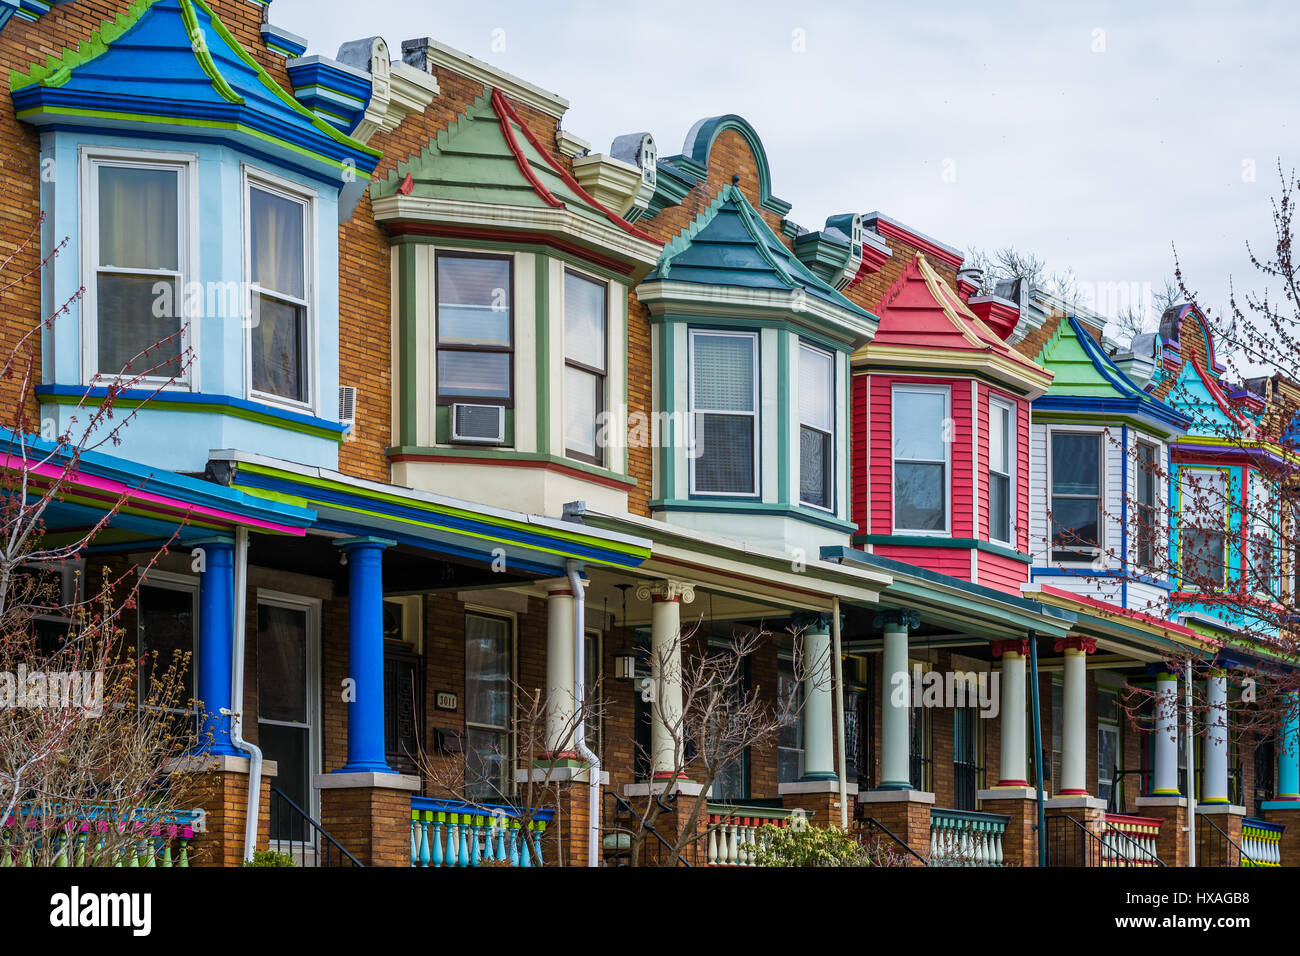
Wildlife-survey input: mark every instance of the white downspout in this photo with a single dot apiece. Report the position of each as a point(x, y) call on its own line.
point(837, 675)
point(579, 699)
point(1191, 766)
point(237, 696)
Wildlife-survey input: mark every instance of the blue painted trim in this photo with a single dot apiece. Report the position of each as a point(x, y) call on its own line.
point(1113, 374)
point(204, 401)
point(282, 41)
point(1123, 518)
point(438, 805)
point(1089, 573)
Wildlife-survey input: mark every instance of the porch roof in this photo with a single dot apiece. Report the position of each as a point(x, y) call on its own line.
point(344, 505)
point(1124, 630)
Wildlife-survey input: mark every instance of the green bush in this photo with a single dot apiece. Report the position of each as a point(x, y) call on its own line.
point(270, 858)
point(807, 846)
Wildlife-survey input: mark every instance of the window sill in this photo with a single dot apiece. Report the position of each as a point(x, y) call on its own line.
point(505, 456)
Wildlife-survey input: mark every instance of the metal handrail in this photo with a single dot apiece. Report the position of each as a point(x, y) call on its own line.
point(1089, 838)
point(1111, 828)
point(873, 824)
point(646, 827)
point(321, 838)
point(1243, 855)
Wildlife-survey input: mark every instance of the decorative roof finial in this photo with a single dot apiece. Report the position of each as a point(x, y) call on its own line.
point(735, 179)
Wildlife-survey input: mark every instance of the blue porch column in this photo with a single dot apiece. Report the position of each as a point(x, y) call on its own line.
point(366, 654)
point(216, 644)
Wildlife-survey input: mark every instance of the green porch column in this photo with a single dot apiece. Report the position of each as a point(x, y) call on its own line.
point(895, 739)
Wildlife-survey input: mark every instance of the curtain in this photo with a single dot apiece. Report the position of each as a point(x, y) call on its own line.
point(138, 218)
point(276, 236)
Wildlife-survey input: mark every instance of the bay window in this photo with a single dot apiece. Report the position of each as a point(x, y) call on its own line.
point(585, 365)
point(139, 258)
point(1002, 469)
point(489, 676)
point(1075, 495)
point(474, 316)
point(279, 326)
point(816, 427)
point(921, 448)
point(1147, 460)
point(1203, 527)
point(724, 412)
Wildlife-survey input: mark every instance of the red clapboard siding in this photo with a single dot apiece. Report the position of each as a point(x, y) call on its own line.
point(1001, 573)
point(982, 472)
point(1022, 476)
point(950, 561)
point(860, 456)
point(962, 487)
point(882, 411)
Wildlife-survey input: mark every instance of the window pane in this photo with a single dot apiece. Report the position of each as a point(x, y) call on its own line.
point(1076, 464)
point(281, 663)
point(999, 450)
point(1202, 558)
point(487, 670)
point(474, 374)
point(487, 764)
point(473, 301)
point(918, 425)
point(1146, 474)
point(167, 626)
point(584, 320)
point(127, 325)
point(816, 389)
point(1203, 499)
point(814, 467)
point(1075, 523)
point(722, 373)
point(725, 446)
point(580, 409)
point(919, 497)
point(279, 339)
point(138, 218)
point(999, 507)
point(276, 242)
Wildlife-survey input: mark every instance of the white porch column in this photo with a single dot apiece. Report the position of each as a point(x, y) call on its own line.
point(1074, 716)
point(560, 705)
point(896, 694)
point(665, 671)
point(1011, 762)
point(1214, 782)
point(1166, 731)
point(819, 737)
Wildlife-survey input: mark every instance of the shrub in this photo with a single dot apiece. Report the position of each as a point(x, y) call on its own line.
point(270, 858)
point(807, 846)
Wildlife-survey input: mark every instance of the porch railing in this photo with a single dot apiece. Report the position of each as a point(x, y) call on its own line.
point(1130, 841)
point(454, 833)
point(295, 834)
point(966, 838)
point(734, 832)
point(93, 836)
point(1261, 842)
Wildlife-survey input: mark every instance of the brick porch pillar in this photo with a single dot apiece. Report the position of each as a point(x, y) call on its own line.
point(1171, 842)
point(1090, 814)
point(905, 814)
point(223, 797)
point(369, 814)
point(1227, 818)
point(671, 825)
point(1020, 840)
point(820, 799)
point(564, 788)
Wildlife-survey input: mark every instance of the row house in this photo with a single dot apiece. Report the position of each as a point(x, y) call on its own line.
point(435, 405)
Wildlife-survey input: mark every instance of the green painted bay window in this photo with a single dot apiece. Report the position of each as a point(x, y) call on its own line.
point(586, 365)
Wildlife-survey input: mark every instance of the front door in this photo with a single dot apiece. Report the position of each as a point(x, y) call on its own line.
point(287, 642)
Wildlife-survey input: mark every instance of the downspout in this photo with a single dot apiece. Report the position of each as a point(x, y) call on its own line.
point(838, 677)
point(1038, 748)
point(580, 698)
point(237, 696)
point(1191, 765)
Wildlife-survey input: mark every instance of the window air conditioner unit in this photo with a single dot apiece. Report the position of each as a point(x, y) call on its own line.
point(479, 424)
point(348, 411)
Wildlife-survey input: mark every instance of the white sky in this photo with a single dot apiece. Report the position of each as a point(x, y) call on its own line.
point(981, 124)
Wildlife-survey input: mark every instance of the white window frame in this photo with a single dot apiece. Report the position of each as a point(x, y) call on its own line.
point(287, 189)
point(512, 721)
point(603, 404)
point(89, 161)
point(1100, 547)
point(756, 413)
point(1010, 437)
point(946, 392)
point(171, 581)
point(1140, 475)
point(315, 729)
point(834, 463)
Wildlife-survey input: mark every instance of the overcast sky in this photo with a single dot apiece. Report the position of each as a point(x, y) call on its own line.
point(1094, 136)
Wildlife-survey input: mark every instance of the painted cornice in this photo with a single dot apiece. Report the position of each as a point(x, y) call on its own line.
point(893, 229)
point(426, 53)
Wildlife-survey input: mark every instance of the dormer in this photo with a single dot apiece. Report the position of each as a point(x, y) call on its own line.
point(200, 205)
point(942, 405)
point(1098, 522)
point(509, 319)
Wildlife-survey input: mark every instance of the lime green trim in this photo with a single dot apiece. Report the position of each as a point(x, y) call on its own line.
point(58, 67)
point(213, 408)
point(507, 455)
point(542, 309)
point(407, 401)
point(204, 56)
